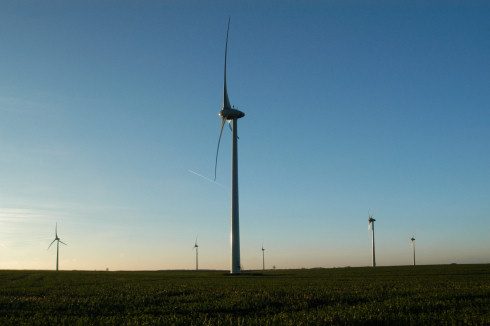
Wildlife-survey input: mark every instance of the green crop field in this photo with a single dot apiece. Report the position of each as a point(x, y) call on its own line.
point(420, 295)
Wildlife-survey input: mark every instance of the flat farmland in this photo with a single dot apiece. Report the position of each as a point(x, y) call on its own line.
point(402, 295)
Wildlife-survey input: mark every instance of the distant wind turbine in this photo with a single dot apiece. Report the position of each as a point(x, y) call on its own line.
point(229, 113)
point(56, 238)
point(197, 254)
point(263, 257)
point(412, 240)
point(371, 226)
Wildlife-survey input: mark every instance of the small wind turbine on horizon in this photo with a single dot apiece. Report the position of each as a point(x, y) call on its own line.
point(56, 238)
point(230, 114)
point(196, 247)
point(412, 240)
point(263, 257)
point(371, 226)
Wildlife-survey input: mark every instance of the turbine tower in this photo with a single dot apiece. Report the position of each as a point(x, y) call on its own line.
point(230, 114)
point(412, 240)
point(371, 226)
point(197, 254)
point(263, 257)
point(56, 238)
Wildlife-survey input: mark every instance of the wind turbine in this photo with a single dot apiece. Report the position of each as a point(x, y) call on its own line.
point(412, 240)
point(229, 113)
point(371, 226)
point(56, 238)
point(263, 257)
point(197, 254)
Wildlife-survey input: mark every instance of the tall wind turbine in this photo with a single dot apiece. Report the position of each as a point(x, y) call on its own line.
point(412, 240)
point(371, 226)
point(230, 114)
point(197, 254)
point(56, 238)
point(263, 257)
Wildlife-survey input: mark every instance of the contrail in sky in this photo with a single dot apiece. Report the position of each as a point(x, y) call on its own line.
point(206, 178)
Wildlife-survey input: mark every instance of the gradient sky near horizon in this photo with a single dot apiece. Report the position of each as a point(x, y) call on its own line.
point(109, 111)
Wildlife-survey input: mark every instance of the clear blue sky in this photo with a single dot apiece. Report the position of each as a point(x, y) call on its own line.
point(106, 105)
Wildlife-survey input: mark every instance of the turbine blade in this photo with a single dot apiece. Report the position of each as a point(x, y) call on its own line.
point(51, 243)
point(63, 243)
point(226, 101)
point(56, 230)
point(231, 128)
point(217, 149)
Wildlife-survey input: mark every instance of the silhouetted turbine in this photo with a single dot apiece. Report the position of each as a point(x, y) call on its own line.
point(412, 240)
point(371, 226)
point(197, 254)
point(229, 113)
point(56, 238)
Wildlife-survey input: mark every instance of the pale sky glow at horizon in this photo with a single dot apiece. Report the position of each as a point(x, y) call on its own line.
point(109, 126)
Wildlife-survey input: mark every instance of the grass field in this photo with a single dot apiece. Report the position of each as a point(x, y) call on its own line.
point(420, 295)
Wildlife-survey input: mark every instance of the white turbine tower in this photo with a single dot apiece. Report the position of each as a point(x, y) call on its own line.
point(229, 113)
point(197, 254)
point(371, 226)
point(56, 238)
point(263, 257)
point(412, 240)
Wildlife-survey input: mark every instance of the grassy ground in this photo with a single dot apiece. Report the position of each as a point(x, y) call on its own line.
point(420, 295)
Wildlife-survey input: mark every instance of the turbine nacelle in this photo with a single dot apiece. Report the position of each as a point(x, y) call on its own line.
point(231, 114)
point(412, 240)
point(371, 221)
